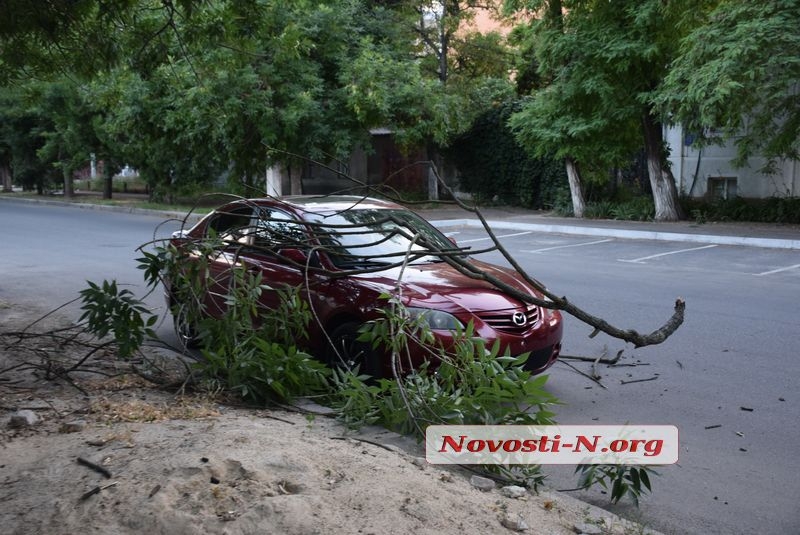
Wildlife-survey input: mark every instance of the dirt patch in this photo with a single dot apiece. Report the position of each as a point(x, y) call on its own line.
point(156, 462)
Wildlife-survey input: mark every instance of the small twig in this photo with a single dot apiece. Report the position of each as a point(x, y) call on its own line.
point(594, 364)
point(95, 467)
point(387, 448)
point(584, 374)
point(278, 419)
point(712, 426)
point(96, 490)
point(639, 380)
point(601, 360)
point(24, 408)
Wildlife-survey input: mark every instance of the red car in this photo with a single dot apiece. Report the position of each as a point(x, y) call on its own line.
point(349, 245)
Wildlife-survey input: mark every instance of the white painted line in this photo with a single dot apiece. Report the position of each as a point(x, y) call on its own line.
point(642, 259)
point(498, 237)
point(789, 268)
point(565, 246)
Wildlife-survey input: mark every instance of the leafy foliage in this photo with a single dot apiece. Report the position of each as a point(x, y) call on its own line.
point(586, 107)
point(772, 210)
point(493, 163)
point(250, 349)
point(191, 94)
point(736, 78)
point(624, 480)
point(636, 209)
point(472, 384)
point(107, 309)
point(599, 64)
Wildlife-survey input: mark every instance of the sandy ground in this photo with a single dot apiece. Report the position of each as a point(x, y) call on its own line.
point(163, 463)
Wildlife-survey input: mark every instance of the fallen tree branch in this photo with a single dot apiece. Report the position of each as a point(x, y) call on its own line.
point(593, 379)
point(553, 301)
point(600, 360)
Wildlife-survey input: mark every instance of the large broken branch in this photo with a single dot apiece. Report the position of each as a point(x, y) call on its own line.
point(553, 301)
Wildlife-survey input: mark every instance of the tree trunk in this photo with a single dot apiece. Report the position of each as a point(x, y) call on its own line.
point(444, 43)
point(108, 176)
point(575, 188)
point(295, 179)
point(5, 177)
point(665, 193)
point(69, 187)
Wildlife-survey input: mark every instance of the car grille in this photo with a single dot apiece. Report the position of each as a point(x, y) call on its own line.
point(503, 320)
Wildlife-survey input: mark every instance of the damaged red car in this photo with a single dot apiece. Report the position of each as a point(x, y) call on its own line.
point(343, 253)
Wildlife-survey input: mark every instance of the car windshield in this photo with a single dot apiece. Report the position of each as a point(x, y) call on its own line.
point(371, 238)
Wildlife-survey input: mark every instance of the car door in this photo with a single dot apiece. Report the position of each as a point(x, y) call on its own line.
point(276, 235)
point(231, 231)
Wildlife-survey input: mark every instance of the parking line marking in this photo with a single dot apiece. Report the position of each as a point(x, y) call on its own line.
point(498, 237)
point(565, 246)
point(778, 270)
point(642, 259)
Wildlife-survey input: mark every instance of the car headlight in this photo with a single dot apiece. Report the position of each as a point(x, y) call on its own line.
point(436, 319)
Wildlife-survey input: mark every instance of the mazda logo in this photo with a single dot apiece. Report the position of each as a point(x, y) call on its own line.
point(519, 319)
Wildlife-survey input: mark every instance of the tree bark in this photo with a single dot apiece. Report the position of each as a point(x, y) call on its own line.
point(662, 182)
point(295, 179)
point(444, 43)
point(5, 177)
point(575, 188)
point(108, 176)
point(69, 187)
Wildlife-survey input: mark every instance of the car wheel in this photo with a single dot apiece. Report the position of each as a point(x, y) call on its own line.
point(348, 351)
point(185, 328)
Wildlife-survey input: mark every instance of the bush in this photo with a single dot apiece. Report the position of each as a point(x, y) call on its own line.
point(771, 210)
point(492, 164)
point(636, 209)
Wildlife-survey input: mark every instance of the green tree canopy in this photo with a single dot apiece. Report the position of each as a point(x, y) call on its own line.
point(737, 77)
point(599, 64)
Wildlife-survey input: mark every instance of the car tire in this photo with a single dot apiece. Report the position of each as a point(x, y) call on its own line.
point(185, 329)
point(350, 352)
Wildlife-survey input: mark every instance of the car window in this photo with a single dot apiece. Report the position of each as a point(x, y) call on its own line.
point(358, 237)
point(231, 225)
point(276, 228)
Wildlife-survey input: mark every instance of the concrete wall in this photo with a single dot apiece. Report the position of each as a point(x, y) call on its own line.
point(715, 163)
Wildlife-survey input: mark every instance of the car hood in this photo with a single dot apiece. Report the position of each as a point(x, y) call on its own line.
point(438, 285)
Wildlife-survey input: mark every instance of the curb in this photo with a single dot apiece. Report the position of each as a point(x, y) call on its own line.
point(770, 243)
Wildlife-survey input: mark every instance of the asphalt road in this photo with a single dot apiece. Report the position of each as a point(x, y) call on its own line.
point(738, 348)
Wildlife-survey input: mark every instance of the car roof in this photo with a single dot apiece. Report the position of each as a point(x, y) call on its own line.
point(330, 203)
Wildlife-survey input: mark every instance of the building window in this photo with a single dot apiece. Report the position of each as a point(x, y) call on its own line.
point(721, 187)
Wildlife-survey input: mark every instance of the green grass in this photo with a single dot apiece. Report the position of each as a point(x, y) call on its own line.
point(128, 202)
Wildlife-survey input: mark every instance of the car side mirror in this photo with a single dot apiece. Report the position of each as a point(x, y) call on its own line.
point(453, 240)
